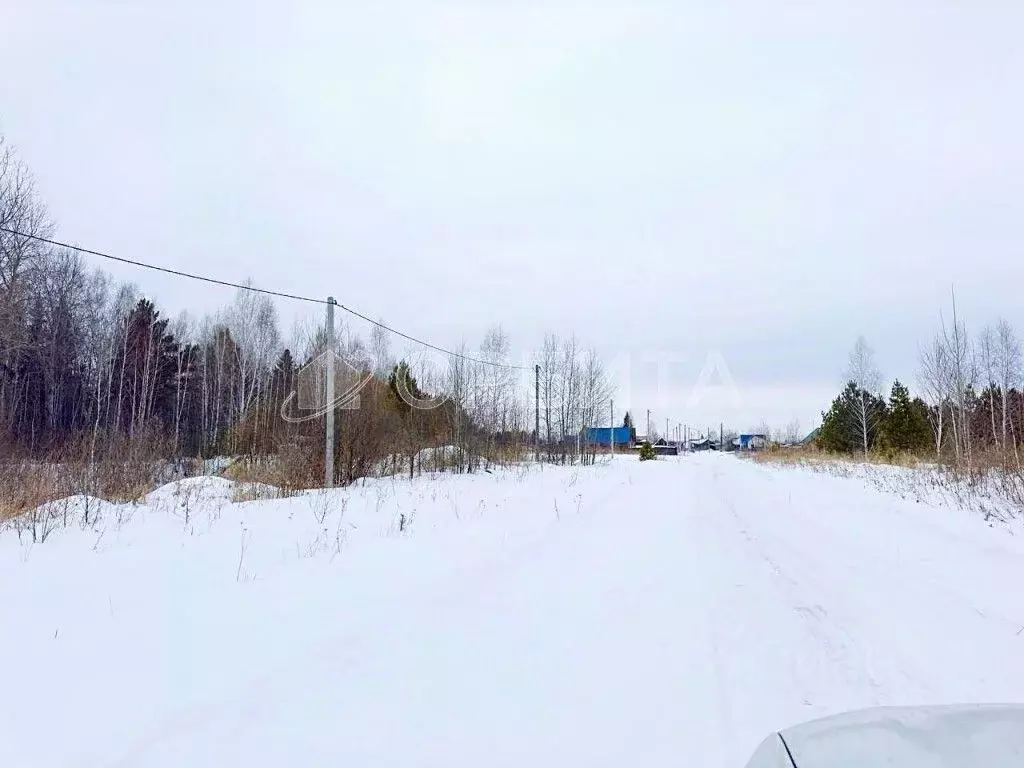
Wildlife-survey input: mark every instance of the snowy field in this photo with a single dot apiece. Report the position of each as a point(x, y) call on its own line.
point(667, 613)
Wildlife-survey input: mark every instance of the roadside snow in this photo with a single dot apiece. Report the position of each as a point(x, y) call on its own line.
point(997, 496)
point(666, 613)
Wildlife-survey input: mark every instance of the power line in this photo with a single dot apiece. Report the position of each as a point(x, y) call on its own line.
point(254, 289)
point(168, 270)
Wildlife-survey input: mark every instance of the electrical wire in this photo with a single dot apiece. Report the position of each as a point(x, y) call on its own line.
point(254, 289)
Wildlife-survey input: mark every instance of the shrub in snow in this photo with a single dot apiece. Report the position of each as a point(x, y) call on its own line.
point(647, 451)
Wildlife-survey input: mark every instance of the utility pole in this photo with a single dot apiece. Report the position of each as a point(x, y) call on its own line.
point(667, 435)
point(611, 429)
point(721, 435)
point(648, 425)
point(536, 413)
point(329, 399)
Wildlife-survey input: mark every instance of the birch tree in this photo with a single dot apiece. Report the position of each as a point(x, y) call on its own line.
point(861, 371)
point(962, 375)
point(933, 378)
point(987, 351)
point(597, 390)
point(457, 389)
point(1008, 365)
point(550, 363)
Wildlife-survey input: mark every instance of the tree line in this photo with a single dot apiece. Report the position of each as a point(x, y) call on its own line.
point(92, 370)
point(968, 411)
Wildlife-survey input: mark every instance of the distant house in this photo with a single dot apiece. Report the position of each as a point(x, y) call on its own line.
point(703, 444)
point(751, 442)
point(603, 436)
point(811, 437)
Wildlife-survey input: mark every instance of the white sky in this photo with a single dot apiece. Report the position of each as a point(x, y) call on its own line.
point(760, 181)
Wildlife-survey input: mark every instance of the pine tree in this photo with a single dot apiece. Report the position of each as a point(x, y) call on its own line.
point(282, 378)
point(401, 374)
point(832, 436)
point(906, 425)
point(147, 369)
point(841, 427)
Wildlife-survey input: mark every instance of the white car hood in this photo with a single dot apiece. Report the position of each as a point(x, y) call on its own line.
point(961, 736)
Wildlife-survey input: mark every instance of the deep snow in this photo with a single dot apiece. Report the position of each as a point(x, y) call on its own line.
point(660, 613)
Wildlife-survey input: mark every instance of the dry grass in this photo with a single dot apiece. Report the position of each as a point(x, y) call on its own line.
point(24, 485)
point(115, 470)
point(992, 486)
point(292, 470)
point(810, 454)
point(258, 492)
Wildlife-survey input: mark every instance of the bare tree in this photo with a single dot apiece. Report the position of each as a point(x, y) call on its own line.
point(570, 389)
point(597, 390)
point(933, 378)
point(496, 383)
point(962, 376)
point(1008, 364)
point(182, 331)
point(252, 320)
point(550, 363)
point(987, 351)
point(457, 389)
point(380, 349)
point(20, 210)
point(861, 371)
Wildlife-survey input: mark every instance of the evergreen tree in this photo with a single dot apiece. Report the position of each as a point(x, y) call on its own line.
point(840, 428)
point(906, 426)
point(282, 377)
point(147, 369)
point(833, 435)
point(401, 374)
point(627, 421)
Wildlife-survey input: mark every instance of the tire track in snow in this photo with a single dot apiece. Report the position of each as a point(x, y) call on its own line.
point(799, 582)
point(915, 630)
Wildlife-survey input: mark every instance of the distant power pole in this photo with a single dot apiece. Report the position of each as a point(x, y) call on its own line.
point(536, 413)
point(667, 435)
point(648, 424)
point(329, 399)
point(721, 436)
point(611, 429)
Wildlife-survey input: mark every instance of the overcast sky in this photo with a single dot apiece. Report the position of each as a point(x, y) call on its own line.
point(731, 186)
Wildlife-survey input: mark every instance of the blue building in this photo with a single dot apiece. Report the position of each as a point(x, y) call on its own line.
point(603, 435)
point(751, 442)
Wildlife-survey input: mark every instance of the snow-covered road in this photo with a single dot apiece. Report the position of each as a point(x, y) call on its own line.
point(665, 613)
